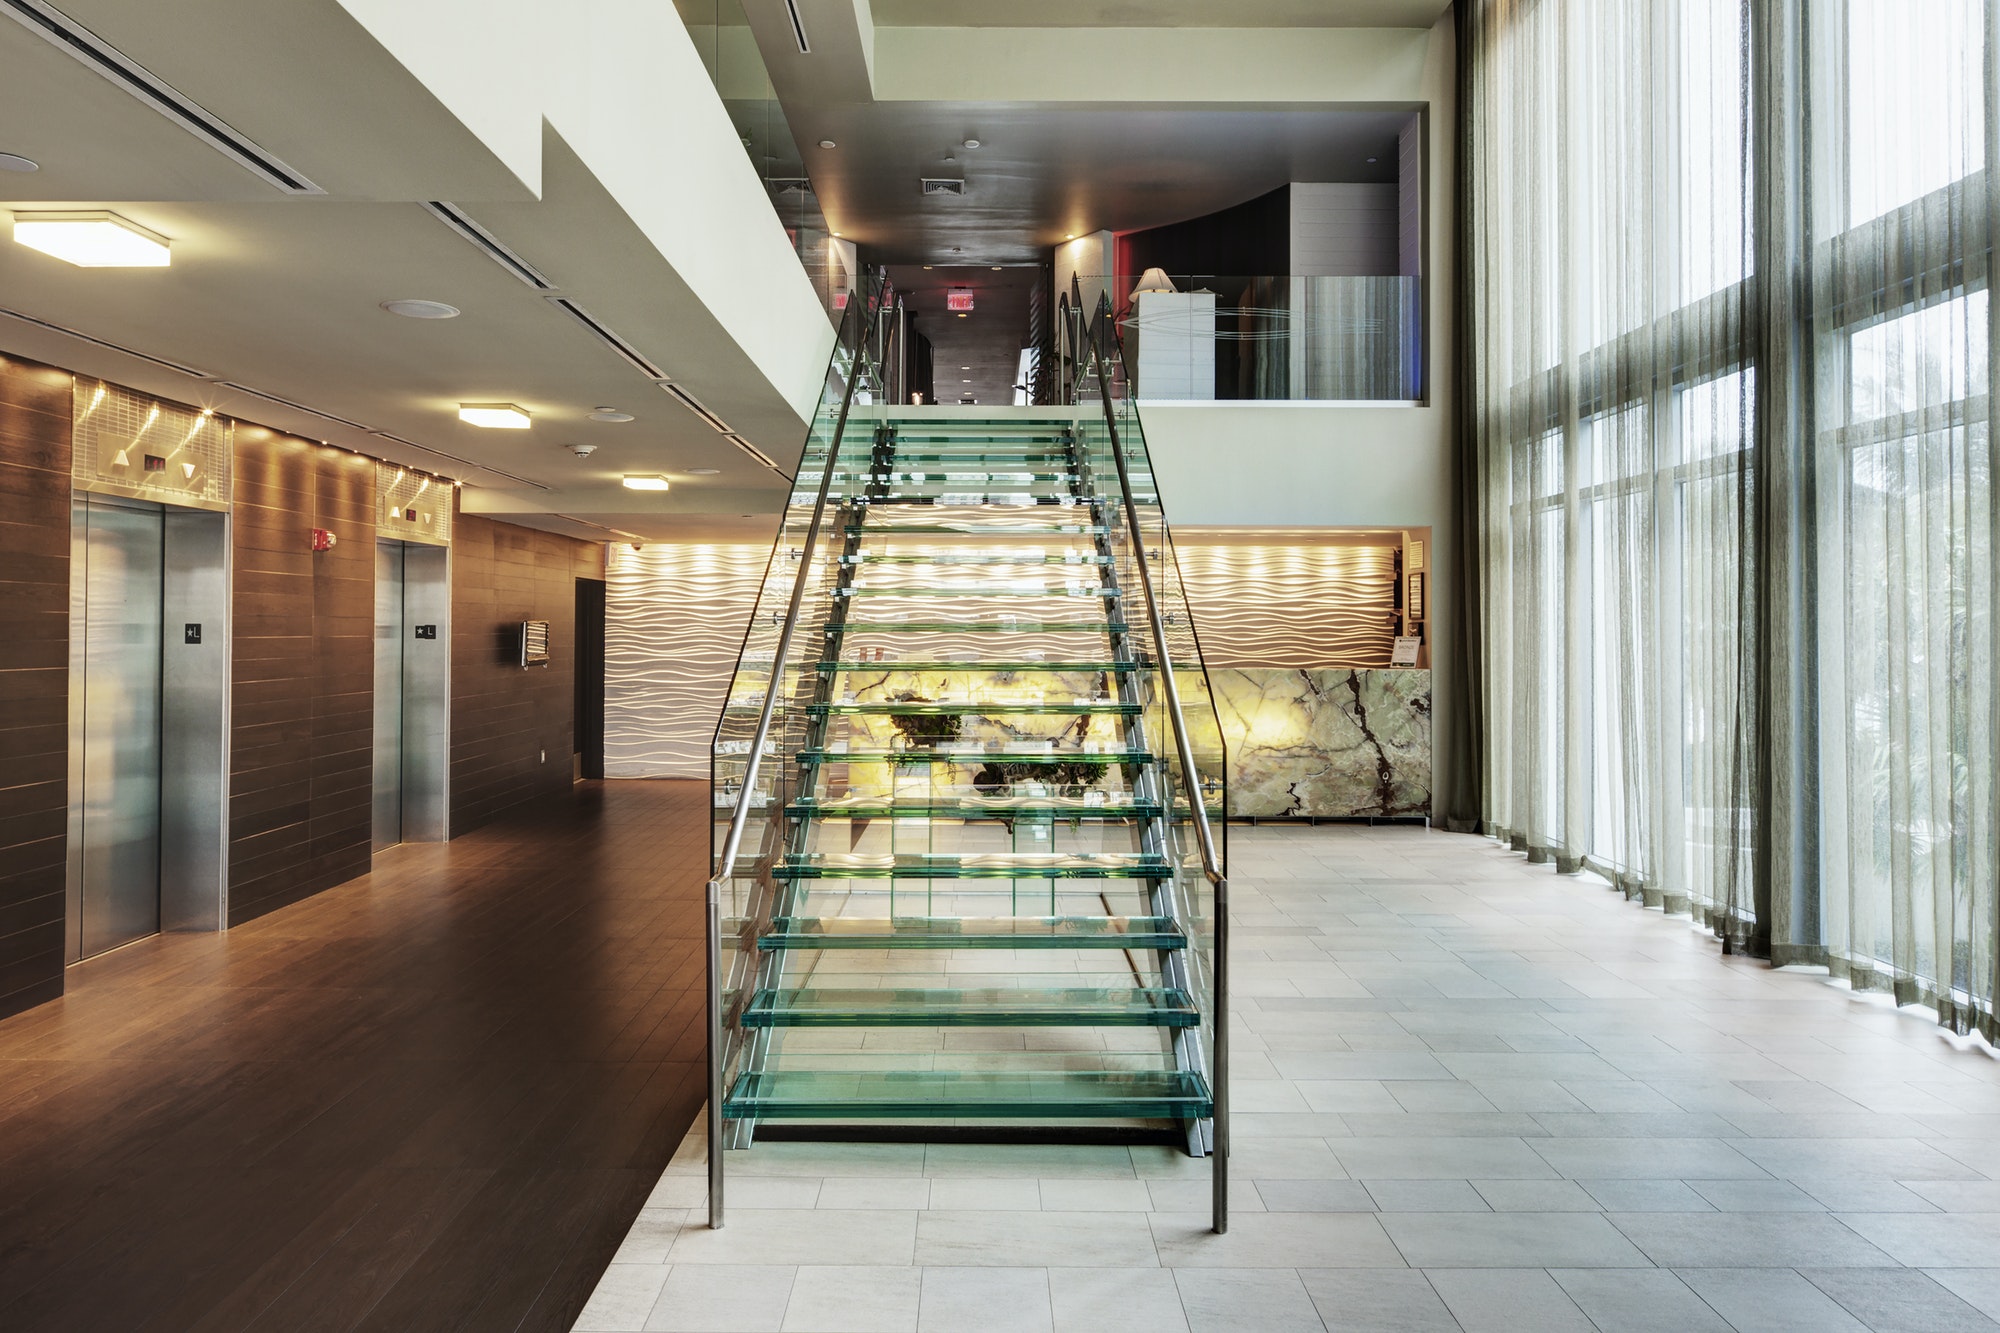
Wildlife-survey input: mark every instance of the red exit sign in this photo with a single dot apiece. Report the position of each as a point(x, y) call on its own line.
point(958, 299)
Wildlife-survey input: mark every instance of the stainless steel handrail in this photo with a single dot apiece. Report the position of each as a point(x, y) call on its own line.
point(1211, 864)
point(725, 864)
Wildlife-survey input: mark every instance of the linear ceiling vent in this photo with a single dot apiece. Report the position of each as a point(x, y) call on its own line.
point(798, 27)
point(294, 405)
point(755, 453)
point(941, 184)
point(160, 361)
point(98, 55)
point(693, 404)
point(454, 217)
point(467, 462)
point(608, 338)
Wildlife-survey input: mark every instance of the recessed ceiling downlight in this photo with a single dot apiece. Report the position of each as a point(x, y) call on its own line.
point(15, 162)
point(414, 309)
point(609, 414)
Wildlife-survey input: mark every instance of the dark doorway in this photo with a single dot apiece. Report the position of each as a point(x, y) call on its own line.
point(588, 728)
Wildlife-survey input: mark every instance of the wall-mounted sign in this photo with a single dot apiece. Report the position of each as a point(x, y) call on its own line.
point(412, 506)
point(124, 443)
point(958, 299)
point(1414, 604)
point(534, 643)
point(1404, 654)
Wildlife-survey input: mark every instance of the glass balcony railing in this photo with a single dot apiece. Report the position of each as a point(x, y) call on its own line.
point(728, 49)
point(1219, 338)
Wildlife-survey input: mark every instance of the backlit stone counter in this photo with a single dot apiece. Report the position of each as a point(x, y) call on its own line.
point(1326, 742)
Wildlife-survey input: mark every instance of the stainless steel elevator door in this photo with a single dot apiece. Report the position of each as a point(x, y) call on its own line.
point(390, 632)
point(123, 552)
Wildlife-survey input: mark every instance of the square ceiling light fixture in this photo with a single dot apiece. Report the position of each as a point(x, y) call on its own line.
point(651, 481)
point(93, 240)
point(494, 416)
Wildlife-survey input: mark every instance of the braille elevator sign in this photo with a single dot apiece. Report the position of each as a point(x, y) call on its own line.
point(427, 631)
point(192, 633)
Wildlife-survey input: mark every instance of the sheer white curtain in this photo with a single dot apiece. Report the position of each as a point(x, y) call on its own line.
point(1732, 348)
point(1901, 327)
point(1611, 229)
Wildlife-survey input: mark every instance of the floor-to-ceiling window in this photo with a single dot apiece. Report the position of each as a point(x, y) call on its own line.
point(1731, 334)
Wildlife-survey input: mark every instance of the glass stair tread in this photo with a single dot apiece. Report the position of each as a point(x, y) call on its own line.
point(781, 1094)
point(971, 865)
point(940, 756)
point(968, 932)
point(1019, 592)
point(1008, 665)
point(1011, 529)
point(1026, 559)
point(986, 626)
point(972, 1006)
point(955, 708)
point(974, 807)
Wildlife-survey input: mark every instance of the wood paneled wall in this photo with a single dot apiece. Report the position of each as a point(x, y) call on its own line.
point(302, 727)
point(35, 404)
point(510, 727)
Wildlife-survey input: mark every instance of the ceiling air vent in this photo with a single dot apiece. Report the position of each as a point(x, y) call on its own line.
point(798, 27)
point(941, 184)
point(693, 404)
point(755, 453)
point(454, 217)
point(160, 361)
point(294, 405)
point(111, 64)
point(467, 462)
point(608, 338)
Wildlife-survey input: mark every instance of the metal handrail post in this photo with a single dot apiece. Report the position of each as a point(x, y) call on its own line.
point(725, 865)
point(1210, 863)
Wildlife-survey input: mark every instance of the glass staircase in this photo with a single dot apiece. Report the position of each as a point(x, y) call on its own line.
point(968, 786)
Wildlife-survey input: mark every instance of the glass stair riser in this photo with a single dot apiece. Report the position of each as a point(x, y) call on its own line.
point(835, 810)
point(1035, 560)
point(974, 708)
point(991, 865)
point(917, 757)
point(1037, 592)
point(951, 1094)
point(1004, 623)
point(998, 667)
point(961, 932)
point(977, 1006)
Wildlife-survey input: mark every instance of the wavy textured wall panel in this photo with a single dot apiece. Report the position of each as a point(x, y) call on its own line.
point(673, 625)
point(1292, 606)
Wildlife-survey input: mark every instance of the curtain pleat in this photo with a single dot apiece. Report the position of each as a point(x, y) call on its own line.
point(1730, 451)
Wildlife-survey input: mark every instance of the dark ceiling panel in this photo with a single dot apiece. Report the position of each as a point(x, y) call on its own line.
point(1044, 171)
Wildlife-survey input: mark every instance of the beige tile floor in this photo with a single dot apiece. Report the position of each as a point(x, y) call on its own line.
point(1470, 1094)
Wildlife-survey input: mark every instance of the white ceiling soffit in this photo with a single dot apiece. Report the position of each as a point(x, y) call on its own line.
point(1158, 13)
point(278, 293)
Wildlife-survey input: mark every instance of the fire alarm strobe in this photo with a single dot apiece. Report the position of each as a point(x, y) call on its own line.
point(322, 540)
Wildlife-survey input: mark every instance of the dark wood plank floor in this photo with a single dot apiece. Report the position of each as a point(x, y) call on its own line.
point(432, 1098)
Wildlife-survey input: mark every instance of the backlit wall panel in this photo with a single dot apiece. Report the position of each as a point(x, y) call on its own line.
point(673, 624)
point(1292, 606)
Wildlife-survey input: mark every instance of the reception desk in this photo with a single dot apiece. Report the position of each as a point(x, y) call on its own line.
point(1326, 743)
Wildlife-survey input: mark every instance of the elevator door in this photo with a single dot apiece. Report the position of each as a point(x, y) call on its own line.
point(390, 632)
point(123, 551)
